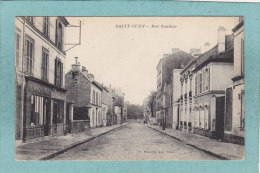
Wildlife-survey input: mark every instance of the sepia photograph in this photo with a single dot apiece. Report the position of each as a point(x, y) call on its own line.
point(129, 88)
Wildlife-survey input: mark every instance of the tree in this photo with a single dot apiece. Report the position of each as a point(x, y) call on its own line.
point(134, 112)
point(152, 103)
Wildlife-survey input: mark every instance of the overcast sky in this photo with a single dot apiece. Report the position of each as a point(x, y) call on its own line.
point(127, 57)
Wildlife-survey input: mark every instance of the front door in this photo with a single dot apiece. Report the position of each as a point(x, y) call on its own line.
point(46, 115)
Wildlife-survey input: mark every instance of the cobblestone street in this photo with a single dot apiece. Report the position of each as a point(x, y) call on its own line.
point(134, 142)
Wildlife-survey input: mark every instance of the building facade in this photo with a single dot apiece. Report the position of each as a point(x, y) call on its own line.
point(78, 85)
point(164, 105)
point(212, 73)
point(235, 95)
point(40, 91)
point(96, 108)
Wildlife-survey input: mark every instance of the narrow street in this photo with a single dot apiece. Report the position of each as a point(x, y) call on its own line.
point(134, 142)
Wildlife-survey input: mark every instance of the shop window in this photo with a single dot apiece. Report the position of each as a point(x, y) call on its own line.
point(37, 110)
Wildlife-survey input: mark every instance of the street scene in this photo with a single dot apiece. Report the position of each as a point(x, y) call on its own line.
point(129, 88)
point(148, 145)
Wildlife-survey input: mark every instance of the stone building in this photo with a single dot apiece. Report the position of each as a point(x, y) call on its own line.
point(78, 84)
point(235, 95)
point(165, 67)
point(96, 106)
point(213, 71)
point(176, 94)
point(106, 103)
point(39, 81)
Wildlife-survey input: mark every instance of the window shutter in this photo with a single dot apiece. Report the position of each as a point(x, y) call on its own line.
point(61, 74)
point(56, 33)
point(25, 57)
point(55, 72)
point(228, 111)
point(42, 66)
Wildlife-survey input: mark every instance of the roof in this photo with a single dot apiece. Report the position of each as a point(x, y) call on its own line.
point(97, 85)
point(227, 56)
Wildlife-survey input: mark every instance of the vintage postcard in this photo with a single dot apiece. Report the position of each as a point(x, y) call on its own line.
point(129, 88)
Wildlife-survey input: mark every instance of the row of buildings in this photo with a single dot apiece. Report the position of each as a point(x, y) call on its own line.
point(49, 102)
point(203, 93)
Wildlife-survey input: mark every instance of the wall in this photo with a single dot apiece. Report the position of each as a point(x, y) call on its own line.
point(237, 53)
point(221, 75)
point(39, 42)
point(78, 92)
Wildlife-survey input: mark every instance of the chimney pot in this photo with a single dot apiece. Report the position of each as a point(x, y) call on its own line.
point(221, 39)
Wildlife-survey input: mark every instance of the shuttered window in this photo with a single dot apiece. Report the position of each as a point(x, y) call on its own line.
point(29, 55)
point(17, 48)
point(58, 72)
point(46, 24)
point(45, 64)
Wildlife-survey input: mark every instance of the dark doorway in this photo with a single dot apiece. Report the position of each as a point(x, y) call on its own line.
point(220, 102)
point(18, 117)
point(46, 114)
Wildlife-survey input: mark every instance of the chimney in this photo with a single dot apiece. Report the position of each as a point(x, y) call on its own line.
point(221, 39)
point(175, 50)
point(76, 66)
point(91, 76)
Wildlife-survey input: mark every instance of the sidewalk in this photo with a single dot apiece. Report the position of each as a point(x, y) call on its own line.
point(222, 150)
point(48, 148)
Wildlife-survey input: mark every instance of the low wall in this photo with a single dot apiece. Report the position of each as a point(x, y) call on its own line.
point(79, 125)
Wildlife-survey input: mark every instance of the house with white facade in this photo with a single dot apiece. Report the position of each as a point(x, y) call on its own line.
point(235, 95)
point(39, 63)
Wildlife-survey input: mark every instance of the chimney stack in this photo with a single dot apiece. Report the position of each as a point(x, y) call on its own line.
point(76, 66)
point(91, 76)
point(221, 39)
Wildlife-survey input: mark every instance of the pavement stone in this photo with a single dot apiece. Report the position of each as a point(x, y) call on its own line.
point(46, 148)
point(225, 150)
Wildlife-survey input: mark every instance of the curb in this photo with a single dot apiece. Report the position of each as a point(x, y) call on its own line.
point(50, 156)
point(194, 146)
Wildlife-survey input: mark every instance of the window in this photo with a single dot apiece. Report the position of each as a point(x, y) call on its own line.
point(46, 24)
point(58, 72)
point(200, 83)
point(196, 85)
point(190, 84)
point(93, 97)
point(37, 110)
point(206, 118)
point(30, 19)
point(242, 118)
point(29, 55)
point(96, 98)
point(242, 56)
point(17, 48)
point(45, 62)
point(204, 80)
point(59, 34)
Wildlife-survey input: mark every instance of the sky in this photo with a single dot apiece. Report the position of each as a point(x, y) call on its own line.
point(124, 51)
